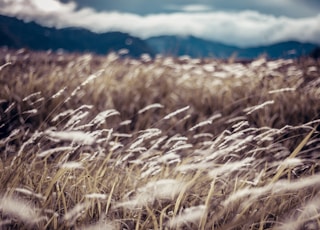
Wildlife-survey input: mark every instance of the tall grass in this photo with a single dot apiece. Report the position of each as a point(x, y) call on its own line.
point(100, 142)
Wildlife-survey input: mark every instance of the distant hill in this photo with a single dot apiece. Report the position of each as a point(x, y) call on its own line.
point(15, 33)
point(196, 47)
point(190, 45)
point(315, 53)
point(287, 49)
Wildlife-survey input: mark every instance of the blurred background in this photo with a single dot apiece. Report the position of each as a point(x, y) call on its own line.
point(219, 28)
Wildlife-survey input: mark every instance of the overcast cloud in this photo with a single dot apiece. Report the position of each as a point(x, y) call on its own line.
point(289, 8)
point(238, 26)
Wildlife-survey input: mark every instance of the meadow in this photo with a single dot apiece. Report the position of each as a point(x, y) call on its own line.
point(104, 142)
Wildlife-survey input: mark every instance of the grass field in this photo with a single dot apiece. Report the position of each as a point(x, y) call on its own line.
point(100, 142)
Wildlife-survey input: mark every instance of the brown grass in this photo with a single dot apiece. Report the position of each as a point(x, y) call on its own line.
point(92, 142)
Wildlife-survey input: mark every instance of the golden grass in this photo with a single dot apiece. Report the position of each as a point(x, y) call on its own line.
point(99, 142)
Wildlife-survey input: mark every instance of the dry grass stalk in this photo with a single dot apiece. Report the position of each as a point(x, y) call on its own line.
point(113, 151)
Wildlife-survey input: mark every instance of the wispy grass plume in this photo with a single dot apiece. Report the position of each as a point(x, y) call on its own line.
point(111, 142)
point(15, 207)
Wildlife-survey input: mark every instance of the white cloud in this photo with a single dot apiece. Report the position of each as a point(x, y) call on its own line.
point(189, 7)
point(244, 28)
point(48, 6)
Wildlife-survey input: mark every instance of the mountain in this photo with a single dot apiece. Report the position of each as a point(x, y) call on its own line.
point(287, 49)
point(196, 47)
point(15, 33)
point(315, 53)
point(190, 45)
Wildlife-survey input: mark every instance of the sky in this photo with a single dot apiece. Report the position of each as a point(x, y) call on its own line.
point(243, 23)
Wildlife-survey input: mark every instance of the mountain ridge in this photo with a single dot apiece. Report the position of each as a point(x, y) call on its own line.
point(15, 33)
point(197, 47)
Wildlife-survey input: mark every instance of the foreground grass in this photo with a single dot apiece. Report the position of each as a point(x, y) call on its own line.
point(93, 142)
